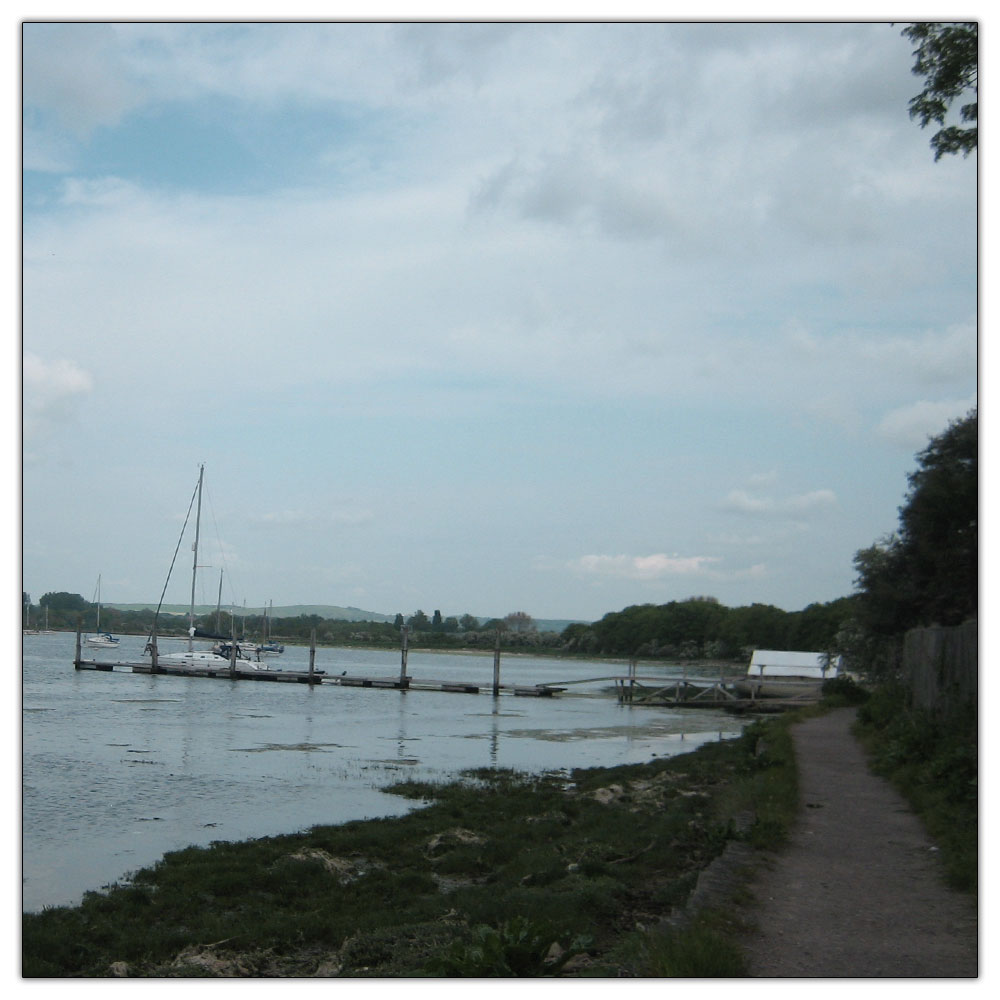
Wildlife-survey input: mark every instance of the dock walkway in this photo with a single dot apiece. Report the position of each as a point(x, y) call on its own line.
point(409, 683)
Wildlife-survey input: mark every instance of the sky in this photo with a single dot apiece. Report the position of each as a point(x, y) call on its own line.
point(481, 317)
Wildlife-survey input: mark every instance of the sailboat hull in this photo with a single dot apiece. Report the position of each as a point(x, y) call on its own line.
point(206, 659)
point(102, 641)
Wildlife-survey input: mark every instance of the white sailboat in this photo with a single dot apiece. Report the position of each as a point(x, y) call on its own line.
point(101, 639)
point(47, 630)
point(192, 657)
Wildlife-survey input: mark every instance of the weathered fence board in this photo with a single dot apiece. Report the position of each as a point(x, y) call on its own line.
point(941, 667)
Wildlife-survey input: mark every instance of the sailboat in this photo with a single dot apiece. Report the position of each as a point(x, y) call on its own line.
point(192, 657)
point(47, 630)
point(101, 639)
point(267, 644)
point(28, 630)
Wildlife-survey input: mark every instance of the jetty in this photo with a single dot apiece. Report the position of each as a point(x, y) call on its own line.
point(630, 688)
point(404, 681)
point(698, 692)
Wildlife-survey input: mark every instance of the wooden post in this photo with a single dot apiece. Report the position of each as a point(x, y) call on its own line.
point(79, 627)
point(232, 659)
point(153, 653)
point(404, 681)
point(496, 666)
point(312, 657)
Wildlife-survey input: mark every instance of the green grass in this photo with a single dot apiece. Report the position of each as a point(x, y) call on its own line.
point(494, 875)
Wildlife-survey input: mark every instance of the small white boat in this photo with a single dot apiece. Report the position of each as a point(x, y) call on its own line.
point(101, 640)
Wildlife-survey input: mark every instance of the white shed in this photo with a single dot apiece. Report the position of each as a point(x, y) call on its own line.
point(793, 663)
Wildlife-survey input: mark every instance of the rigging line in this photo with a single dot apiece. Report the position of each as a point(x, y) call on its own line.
point(222, 552)
point(187, 517)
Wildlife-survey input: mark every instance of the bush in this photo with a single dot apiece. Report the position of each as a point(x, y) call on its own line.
point(842, 691)
point(935, 764)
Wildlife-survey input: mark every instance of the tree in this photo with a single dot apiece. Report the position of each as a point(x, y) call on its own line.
point(520, 621)
point(418, 622)
point(63, 601)
point(947, 56)
point(468, 623)
point(939, 526)
point(436, 622)
point(927, 573)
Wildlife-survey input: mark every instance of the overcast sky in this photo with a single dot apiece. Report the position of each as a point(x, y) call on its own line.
point(482, 317)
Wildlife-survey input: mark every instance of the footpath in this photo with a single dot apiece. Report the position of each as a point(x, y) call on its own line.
point(858, 891)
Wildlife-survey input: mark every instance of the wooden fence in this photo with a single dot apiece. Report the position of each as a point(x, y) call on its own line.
point(941, 667)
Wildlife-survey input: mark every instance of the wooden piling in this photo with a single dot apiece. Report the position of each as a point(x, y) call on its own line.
point(79, 627)
point(496, 667)
point(404, 680)
point(312, 657)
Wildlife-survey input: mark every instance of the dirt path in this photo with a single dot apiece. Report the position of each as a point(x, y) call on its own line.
point(858, 891)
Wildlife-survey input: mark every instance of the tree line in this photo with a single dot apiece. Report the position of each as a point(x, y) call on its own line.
point(924, 573)
point(703, 628)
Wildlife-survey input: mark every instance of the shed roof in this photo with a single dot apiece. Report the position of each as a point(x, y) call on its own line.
point(788, 662)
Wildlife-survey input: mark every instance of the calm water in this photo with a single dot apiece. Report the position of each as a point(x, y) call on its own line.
point(119, 768)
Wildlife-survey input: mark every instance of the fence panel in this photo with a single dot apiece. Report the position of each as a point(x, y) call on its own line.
point(941, 667)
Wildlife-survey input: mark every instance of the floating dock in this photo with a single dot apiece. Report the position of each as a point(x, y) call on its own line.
point(400, 682)
point(630, 688)
point(408, 683)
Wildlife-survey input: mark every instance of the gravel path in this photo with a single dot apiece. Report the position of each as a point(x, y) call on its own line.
point(858, 891)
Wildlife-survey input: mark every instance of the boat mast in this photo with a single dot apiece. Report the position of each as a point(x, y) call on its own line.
point(218, 606)
point(194, 567)
point(98, 603)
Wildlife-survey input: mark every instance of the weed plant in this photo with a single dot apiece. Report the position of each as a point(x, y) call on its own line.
point(934, 763)
point(497, 874)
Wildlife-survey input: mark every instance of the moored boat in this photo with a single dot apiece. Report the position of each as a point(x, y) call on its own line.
point(201, 658)
point(101, 640)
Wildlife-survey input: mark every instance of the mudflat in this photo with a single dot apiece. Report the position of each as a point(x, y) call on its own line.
point(858, 891)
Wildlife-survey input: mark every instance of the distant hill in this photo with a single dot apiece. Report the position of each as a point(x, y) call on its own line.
point(292, 611)
point(328, 611)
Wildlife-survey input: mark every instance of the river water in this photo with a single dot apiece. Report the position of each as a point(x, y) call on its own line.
point(119, 768)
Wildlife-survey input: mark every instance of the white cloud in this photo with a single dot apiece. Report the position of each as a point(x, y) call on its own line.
point(304, 517)
point(934, 357)
point(78, 73)
point(742, 501)
point(433, 228)
point(912, 426)
point(52, 393)
point(650, 567)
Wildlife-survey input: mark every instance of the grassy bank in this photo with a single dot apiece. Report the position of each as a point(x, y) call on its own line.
point(935, 764)
point(498, 874)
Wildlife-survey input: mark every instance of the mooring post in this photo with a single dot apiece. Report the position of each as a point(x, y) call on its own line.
point(153, 654)
point(79, 627)
point(496, 666)
point(631, 678)
point(404, 681)
point(232, 660)
point(312, 656)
